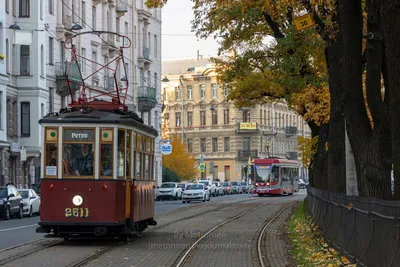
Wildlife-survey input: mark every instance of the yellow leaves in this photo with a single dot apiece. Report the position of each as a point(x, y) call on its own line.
point(307, 147)
point(181, 162)
point(305, 249)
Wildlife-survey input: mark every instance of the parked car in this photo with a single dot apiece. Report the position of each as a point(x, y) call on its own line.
point(210, 186)
point(219, 188)
point(235, 187)
point(10, 202)
point(196, 192)
point(31, 201)
point(227, 188)
point(35, 187)
point(245, 187)
point(182, 186)
point(169, 190)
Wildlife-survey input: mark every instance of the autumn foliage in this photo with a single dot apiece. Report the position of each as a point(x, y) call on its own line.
point(179, 161)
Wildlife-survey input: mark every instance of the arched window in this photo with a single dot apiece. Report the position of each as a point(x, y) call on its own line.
point(42, 61)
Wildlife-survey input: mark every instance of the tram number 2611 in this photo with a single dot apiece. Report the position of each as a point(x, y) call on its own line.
point(77, 212)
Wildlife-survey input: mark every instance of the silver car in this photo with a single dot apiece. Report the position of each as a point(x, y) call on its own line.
point(30, 202)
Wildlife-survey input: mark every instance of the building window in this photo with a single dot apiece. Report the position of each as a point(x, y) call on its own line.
point(287, 120)
point(226, 116)
point(265, 117)
point(41, 9)
point(94, 59)
point(202, 117)
point(214, 116)
point(155, 46)
point(25, 62)
point(155, 80)
point(214, 90)
point(190, 92)
point(190, 145)
point(51, 51)
point(227, 145)
point(94, 17)
point(227, 171)
point(24, 8)
point(177, 119)
point(7, 6)
point(7, 56)
point(215, 144)
point(83, 65)
point(14, 8)
point(25, 119)
point(190, 118)
point(246, 115)
point(202, 91)
point(51, 100)
point(177, 93)
point(246, 143)
point(51, 7)
point(41, 61)
point(83, 15)
point(118, 27)
point(203, 145)
point(261, 114)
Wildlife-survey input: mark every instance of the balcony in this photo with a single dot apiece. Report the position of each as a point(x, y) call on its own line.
point(289, 131)
point(122, 7)
point(247, 127)
point(146, 98)
point(61, 77)
point(243, 155)
point(292, 155)
point(144, 59)
point(108, 44)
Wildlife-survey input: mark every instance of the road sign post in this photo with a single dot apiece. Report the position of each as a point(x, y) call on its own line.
point(202, 167)
point(303, 22)
point(166, 149)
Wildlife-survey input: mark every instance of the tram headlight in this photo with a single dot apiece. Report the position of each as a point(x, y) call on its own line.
point(77, 200)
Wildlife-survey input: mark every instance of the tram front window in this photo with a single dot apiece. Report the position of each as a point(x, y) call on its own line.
point(79, 159)
point(264, 174)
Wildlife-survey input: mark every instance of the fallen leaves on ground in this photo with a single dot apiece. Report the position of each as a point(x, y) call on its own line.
point(306, 250)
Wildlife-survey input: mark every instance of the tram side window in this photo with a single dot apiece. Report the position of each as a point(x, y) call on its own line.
point(128, 154)
point(51, 160)
point(51, 155)
point(275, 174)
point(106, 160)
point(147, 167)
point(121, 153)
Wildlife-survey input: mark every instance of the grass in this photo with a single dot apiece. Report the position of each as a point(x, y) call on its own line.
point(306, 251)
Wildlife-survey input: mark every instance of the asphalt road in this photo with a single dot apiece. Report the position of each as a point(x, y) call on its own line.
point(18, 231)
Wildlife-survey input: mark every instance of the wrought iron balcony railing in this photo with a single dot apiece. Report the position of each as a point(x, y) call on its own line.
point(245, 154)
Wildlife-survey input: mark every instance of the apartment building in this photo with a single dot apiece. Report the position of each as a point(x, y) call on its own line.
point(35, 65)
point(215, 131)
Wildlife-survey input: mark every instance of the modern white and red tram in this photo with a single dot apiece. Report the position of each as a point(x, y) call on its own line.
point(275, 176)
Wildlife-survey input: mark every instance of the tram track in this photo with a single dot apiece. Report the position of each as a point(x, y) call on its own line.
point(99, 251)
point(181, 261)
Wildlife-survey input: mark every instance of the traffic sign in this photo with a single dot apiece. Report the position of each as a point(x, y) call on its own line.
point(303, 22)
point(202, 167)
point(166, 149)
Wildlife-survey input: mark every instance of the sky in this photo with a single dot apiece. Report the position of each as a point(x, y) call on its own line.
point(177, 39)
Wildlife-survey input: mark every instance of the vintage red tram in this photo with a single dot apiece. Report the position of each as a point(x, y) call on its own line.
point(97, 164)
point(275, 176)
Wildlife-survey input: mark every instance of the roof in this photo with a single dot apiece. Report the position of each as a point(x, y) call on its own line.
point(181, 66)
point(94, 116)
point(272, 161)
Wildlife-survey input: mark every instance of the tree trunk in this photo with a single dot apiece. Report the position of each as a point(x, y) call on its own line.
point(336, 136)
point(319, 165)
point(391, 22)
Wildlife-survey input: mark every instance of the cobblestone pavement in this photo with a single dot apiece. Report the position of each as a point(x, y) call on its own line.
point(176, 231)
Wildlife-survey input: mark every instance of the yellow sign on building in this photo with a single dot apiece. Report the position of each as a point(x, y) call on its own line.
point(248, 126)
point(303, 22)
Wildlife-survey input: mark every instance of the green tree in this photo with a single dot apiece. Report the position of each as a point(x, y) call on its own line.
point(169, 175)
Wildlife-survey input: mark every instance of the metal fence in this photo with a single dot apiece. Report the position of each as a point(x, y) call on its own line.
point(365, 231)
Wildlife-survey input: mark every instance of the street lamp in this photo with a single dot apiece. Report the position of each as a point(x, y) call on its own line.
point(166, 80)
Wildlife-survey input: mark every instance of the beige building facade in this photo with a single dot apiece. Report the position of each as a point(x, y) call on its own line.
point(220, 135)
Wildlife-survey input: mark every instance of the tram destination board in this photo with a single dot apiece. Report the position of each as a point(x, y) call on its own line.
point(82, 135)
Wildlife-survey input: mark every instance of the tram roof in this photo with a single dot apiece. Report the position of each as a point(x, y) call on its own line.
point(274, 160)
point(94, 116)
